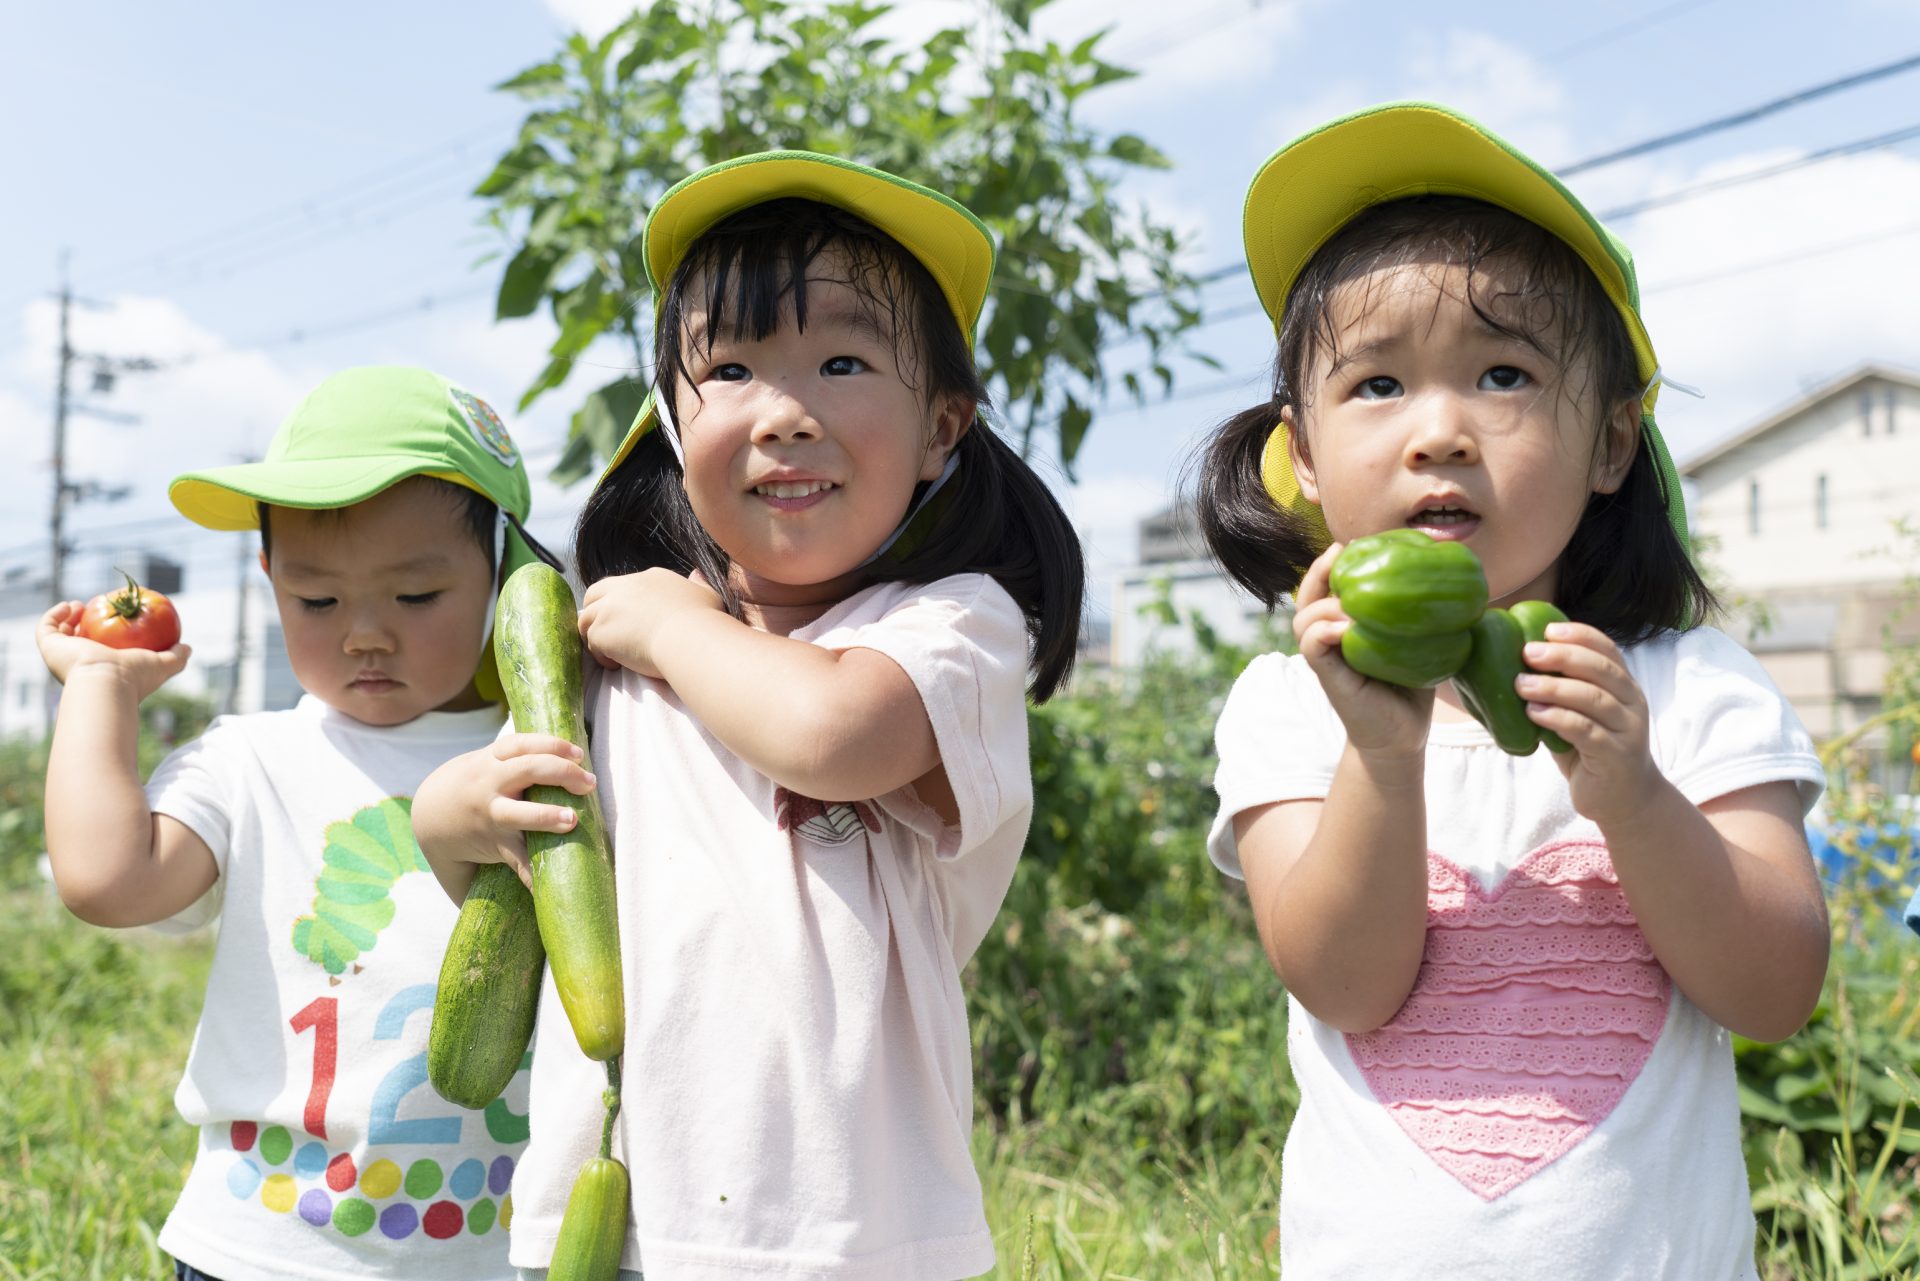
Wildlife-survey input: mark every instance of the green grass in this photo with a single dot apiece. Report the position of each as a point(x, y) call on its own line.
point(94, 1029)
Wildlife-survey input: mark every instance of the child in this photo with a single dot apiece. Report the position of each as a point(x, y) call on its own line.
point(384, 504)
point(813, 575)
point(1511, 979)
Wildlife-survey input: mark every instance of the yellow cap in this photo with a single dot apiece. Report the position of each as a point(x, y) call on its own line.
point(1320, 181)
point(954, 246)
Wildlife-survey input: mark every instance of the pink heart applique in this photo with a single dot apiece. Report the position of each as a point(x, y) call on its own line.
point(1535, 1008)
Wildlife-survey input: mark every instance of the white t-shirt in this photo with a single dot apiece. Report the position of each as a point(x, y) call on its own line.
point(324, 1153)
point(798, 1093)
point(1546, 1104)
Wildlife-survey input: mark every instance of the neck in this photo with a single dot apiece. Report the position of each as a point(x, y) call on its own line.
point(782, 608)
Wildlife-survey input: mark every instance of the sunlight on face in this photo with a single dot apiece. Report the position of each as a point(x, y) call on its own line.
point(803, 448)
point(383, 604)
point(1432, 415)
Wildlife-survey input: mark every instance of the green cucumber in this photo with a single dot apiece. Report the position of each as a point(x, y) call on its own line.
point(594, 1228)
point(537, 638)
point(489, 991)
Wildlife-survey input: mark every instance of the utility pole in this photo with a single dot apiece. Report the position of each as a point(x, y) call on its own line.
point(56, 578)
point(245, 572)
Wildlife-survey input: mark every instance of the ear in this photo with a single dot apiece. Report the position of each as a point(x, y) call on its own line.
point(1300, 456)
point(1619, 446)
point(952, 418)
point(263, 563)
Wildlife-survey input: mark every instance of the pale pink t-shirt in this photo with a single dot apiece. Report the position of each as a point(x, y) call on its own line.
point(1547, 1104)
point(798, 1075)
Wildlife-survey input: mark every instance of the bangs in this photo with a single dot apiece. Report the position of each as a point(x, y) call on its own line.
point(752, 272)
point(1522, 282)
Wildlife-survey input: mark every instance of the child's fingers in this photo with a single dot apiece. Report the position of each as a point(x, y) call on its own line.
point(546, 770)
point(1315, 585)
point(510, 746)
point(530, 816)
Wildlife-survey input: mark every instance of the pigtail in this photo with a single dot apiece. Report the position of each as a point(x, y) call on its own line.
point(1263, 548)
point(997, 517)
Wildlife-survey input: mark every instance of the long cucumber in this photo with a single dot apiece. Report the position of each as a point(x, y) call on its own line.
point(489, 991)
point(537, 638)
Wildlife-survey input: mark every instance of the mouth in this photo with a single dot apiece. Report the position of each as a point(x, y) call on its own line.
point(374, 682)
point(1444, 520)
point(793, 495)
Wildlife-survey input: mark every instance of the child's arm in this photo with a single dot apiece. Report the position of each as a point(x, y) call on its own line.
point(115, 862)
point(1725, 892)
point(1339, 887)
point(469, 812)
point(842, 725)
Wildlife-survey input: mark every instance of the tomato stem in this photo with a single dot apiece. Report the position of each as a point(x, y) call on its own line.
point(127, 604)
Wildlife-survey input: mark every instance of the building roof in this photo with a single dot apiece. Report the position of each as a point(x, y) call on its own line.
point(1827, 391)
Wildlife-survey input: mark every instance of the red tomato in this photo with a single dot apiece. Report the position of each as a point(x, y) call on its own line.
point(132, 619)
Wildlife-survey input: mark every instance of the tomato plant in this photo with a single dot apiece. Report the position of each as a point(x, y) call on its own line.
point(135, 618)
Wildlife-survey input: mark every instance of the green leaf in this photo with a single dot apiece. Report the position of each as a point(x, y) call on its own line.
point(1132, 149)
point(1072, 429)
point(536, 80)
point(524, 282)
point(515, 168)
point(604, 420)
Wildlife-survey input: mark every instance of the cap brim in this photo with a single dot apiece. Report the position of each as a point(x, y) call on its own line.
point(948, 240)
point(226, 497)
point(1316, 184)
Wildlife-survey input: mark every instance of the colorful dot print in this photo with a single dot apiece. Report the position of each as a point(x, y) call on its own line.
point(289, 1173)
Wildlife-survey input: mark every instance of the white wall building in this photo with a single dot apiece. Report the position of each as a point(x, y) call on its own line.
point(1800, 514)
point(1174, 561)
point(211, 622)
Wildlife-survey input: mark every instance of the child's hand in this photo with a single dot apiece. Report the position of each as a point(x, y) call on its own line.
point(1596, 705)
point(470, 810)
point(623, 617)
point(65, 651)
point(1380, 718)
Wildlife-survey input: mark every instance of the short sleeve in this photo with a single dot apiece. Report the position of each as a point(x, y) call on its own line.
point(192, 785)
point(1719, 724)
point(963, 643)
point(1278, 739)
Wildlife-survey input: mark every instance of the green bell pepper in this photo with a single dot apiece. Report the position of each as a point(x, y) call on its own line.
point(1413, 601)
point(1486, 680)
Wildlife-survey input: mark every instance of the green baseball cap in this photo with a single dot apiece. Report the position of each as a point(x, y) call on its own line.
point(949, 241)
point(1317, 183)
point(360, 432)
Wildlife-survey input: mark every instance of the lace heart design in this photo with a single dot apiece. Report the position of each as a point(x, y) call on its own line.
point(821, 822)
point(1535, 1008)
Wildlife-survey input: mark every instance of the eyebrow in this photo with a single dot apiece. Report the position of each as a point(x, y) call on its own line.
point(853, 320)
point(413, 564)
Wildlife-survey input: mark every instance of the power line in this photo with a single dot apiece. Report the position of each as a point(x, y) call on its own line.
point(1741, 117)
point(1771, 171)
point(1627, 28)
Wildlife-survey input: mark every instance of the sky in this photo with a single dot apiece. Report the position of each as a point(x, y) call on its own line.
point(255, 196)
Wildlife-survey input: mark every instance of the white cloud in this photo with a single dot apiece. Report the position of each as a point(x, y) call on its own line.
point(593, 18)
point(1760, 291)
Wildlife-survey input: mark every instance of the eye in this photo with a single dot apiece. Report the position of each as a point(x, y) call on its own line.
point(315, 604)
point(1378, 387)
point(1504, 378)
point(730, 372)
point(841, 366)
point(420, 598)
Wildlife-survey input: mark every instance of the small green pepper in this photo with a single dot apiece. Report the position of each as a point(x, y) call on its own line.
point(1486, 680)
point(1413, 601)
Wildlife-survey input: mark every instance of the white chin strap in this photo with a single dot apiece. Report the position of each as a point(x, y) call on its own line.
point(1659, 379)
point(499, 563)
point(672, 433)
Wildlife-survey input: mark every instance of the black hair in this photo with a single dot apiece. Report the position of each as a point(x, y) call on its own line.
point(995, 516)
point(474, 509)
point(1625, 569)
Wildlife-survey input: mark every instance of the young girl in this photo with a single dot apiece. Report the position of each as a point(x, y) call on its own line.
point(1511, 979)
point(813, 578)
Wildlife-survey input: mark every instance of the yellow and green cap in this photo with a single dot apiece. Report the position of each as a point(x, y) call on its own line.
point(356, 434)
point(1320, 181)
point(954, 246)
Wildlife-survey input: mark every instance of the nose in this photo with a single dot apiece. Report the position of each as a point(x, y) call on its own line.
point(1443, 432)
point(781, 415)
point(368, 633)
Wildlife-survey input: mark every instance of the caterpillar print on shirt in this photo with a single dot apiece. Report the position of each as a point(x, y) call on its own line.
point(365, 855)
